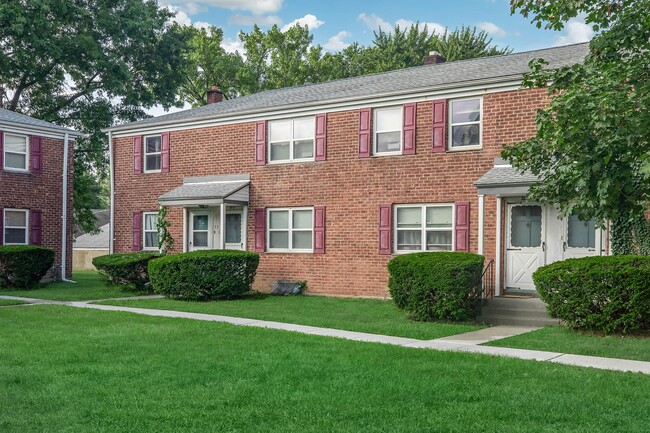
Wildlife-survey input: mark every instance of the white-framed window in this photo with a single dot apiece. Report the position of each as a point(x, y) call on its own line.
point(16, 152)
point(16, 222)
point(150, 230)
point(290, 229)
point(387, 131)
point(465, 126)
point(427, 227)
point(292, 140)
point(152, 153)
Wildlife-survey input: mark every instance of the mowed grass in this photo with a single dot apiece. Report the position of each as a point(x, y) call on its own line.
point(362, 315)
point(89, 285)
point(558, 339)
point(10, 302)
point(72, 370)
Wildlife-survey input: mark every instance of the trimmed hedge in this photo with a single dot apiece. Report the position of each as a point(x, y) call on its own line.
point(437, 285)
point(23, 266)
point(130, 269)
point(204, 275)
point(608, 294)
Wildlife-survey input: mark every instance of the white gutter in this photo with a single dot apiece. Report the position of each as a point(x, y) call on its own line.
point(111, 226)
point(64, 222)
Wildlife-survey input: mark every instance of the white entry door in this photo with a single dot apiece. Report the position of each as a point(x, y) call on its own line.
point(581, 238)
point(200, 236)
point(526, 246)
point(235, 221)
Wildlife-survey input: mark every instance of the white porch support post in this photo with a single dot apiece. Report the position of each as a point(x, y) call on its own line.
point(497, 258)
point(481, 219)
point(184, 229)
point(222, 227)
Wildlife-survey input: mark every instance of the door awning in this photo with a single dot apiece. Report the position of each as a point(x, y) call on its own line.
point(504, 180)
point(208, 190)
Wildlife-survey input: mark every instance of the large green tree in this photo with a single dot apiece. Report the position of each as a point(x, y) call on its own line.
point(86, 64)
point(592, 148)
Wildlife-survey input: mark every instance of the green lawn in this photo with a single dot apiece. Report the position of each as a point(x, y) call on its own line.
point(9, 302)
point(363, 315)
point(558, 339)
point(89, 285)
point(72, 370)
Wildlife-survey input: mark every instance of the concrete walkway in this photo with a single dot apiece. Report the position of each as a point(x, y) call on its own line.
point(468, 342)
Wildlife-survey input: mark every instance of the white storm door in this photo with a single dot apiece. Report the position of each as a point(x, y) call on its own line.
point(200, 230)
point(525, 251)
point(234, 228)
point(581, 238)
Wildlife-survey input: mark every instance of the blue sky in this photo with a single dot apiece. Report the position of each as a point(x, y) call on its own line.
point(336, 23)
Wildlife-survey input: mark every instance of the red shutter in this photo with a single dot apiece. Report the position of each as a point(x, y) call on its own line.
point(136, 244)
point(36, 150)
point(408, 129)
point(319, 229)
point(35, 227)
point(440, 125)
point(385, 228)
point(260, 230)
point(365, 116)
point(164, 152)
point(462, 226)
point(137, 155)
point(2, 221)
point(260, 142)
point(2, 155)
point(321, 137)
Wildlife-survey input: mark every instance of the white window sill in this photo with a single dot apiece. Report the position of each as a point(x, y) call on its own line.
point(151, 171)
point(463, 148)
point(16, 170)
point(16, 244)
point(287, 251)
point(291, 161)
point(380, 154)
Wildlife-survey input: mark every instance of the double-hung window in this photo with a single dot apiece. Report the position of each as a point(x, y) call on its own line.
point(388, 131)
point(465, 125)
point(424, 227)
point(152, 153)
point(292, 140)
point(15, 226)
point(16, 149)
point(150, 230)
point(291, 230)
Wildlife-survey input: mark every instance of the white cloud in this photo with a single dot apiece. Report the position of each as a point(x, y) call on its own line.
point(336, 42)
point(232, 45)
point(308, 20)
point(491, 28)
point(374, 22)
point(250, 20)
point(181, 17)
point(257, 7)
point(202, 25)
point(158, 110)
point(431, 27)
point(576, 31)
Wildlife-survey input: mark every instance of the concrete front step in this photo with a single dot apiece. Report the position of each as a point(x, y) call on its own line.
point(516, 311)
point(518, 321)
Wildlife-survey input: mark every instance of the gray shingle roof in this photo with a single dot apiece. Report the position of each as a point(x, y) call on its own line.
point(506, 175)
point(207, 187)
point(22, 119)
point(403, 81)
point(99, 240)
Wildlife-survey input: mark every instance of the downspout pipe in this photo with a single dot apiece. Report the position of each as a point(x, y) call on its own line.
point(64, 213)
point(111, 226)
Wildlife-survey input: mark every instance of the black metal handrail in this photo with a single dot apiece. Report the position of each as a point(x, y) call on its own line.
point(487, 279)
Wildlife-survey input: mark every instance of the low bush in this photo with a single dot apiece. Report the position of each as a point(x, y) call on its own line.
point(607, 294)
point(437, 285)
point(23, 266)
point(130, 269)
point(204, 275)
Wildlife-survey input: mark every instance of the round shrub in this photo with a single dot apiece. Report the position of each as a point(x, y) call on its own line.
point(204, 275)
point(437, 285)
point(23, 266)
point(608, 294)
point(130, 269)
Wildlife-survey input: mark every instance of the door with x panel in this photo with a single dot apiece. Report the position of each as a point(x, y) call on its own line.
point(526, 246)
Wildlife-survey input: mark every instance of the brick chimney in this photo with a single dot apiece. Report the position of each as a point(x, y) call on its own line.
point(434, 58)
point(214, 95)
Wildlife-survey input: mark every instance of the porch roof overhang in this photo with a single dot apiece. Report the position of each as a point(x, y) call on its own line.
point(208, 191)
point(504, 180)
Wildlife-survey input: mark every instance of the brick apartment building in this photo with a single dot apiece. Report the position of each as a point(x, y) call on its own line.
point(329, 181)
point(36, 177)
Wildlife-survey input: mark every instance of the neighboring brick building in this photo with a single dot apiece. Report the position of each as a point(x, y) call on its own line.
point(329, 181)
point(32, 174)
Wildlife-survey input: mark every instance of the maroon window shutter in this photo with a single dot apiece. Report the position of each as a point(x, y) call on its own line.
point(408, 129)
point(2, 155)
point(462, 226)
point(35, 227)
point(164, 152)
point(36, 151)
point(365, 116)
point(260, 142)
point(137, 155)
point(440, 125)
point(137, 231)
point(2, 223)
point(385, 228)
point(321, 137)
point(260, 230)
point(319, 229)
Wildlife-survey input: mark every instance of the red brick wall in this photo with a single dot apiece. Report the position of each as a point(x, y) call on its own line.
point(350, 188)
point(43, 191)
